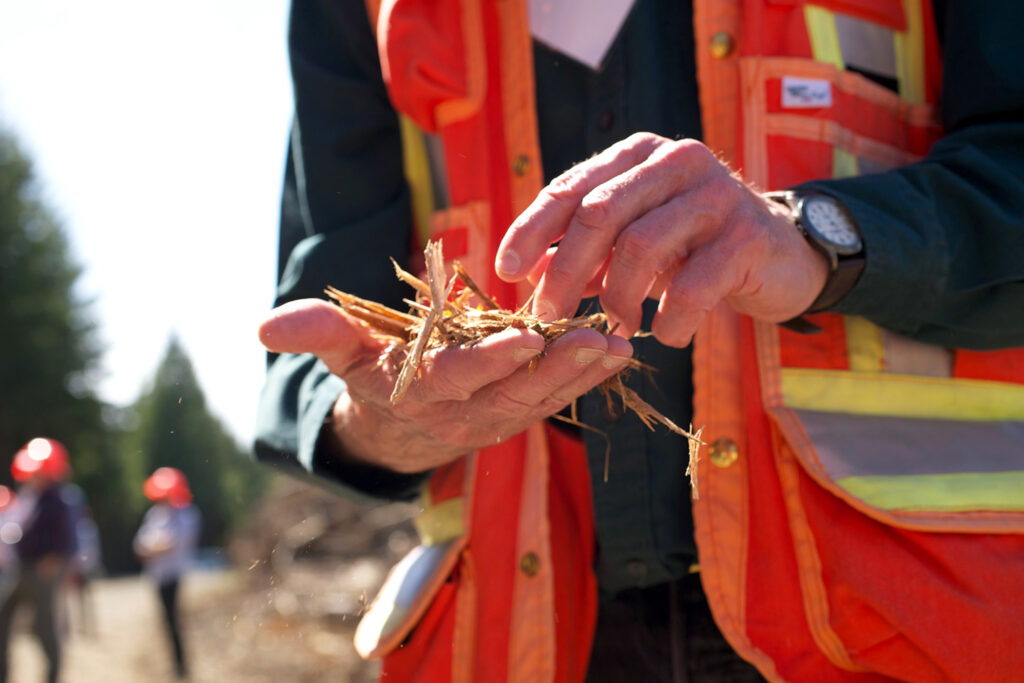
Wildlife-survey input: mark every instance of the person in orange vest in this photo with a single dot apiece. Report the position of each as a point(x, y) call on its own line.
point(855, 359)
point(166, 543)
point(39, 527)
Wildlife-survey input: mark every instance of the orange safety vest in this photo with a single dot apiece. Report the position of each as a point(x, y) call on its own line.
point(861, 502)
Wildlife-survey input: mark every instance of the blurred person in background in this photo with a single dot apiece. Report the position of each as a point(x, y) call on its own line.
point(39, 527)
point(87, 562)
point(166, 545)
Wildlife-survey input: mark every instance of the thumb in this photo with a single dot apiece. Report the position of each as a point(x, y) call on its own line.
point(318, 327)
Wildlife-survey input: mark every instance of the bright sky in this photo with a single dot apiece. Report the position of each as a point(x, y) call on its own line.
point(158, 133)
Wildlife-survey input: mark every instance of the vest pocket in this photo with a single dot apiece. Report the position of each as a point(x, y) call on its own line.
point(894, 432)
point(906, 604)
point(904, 499)
point(432, 55)
point(805, 120)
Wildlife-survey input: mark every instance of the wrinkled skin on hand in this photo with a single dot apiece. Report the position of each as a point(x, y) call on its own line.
point(660, 218)
point(463, 398)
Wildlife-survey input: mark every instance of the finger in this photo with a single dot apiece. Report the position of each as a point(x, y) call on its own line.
point(651, 250)
point(318, 327)
point(606, 211)
point(707, 277)
point(650, 247)
point(537, 272)
point(616, 357)
point(737, 258)
point(456, 373)
point(570, 366)
point(593, 287)
point(545, 221)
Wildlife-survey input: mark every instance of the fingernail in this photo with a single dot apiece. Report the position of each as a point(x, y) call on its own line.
point(612, 362)
point(508, 263)
point(545, 310)
point(525, 353)
point(586, 355)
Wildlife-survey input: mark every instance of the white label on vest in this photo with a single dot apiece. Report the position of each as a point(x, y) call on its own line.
point(581, 29)
point(805, 93)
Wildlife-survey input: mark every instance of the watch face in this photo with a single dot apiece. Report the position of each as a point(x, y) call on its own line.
point(826, 218)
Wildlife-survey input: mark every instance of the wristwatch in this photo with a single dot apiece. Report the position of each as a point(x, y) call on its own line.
point(830, 228)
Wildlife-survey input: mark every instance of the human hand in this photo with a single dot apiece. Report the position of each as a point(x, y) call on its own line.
point(659, 218)
point(152, 543)
point(463, 398)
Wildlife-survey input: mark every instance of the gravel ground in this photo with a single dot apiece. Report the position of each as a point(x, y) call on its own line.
point(239, 627)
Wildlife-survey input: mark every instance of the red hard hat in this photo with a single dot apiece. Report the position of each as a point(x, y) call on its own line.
point(168, 484)
point(41, 456)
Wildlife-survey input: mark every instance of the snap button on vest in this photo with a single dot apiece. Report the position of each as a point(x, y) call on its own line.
point(520, 165)
point(530, 564)
point(724, 452)
point(722, 45)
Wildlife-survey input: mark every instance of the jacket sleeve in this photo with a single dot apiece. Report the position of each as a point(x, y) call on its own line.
point(944, 238)
point(345, 211)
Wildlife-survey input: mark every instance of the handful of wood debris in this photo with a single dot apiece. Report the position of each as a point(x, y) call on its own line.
point(435, 320)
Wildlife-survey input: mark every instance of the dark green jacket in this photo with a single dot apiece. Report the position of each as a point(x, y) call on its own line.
point(944, 238)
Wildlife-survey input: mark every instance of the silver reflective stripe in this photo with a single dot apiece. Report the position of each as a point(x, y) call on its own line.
point(866, 46)
point(906, 356)
point(865, 445)
point(409, 586)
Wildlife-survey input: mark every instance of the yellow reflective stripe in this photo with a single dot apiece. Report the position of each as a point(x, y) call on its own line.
point(844, 164)
point(865, 350)
point(861, 393)
point(417, 175)
point(909, 47)
point(950, 492)
point(440, 523)
point(821, 30)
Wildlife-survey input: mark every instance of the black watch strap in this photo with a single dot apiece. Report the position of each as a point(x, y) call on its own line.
point(842, 277)
point(839, 282)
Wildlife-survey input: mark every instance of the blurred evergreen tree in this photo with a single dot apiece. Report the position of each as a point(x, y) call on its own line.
point(49, 356)
point(174, 428)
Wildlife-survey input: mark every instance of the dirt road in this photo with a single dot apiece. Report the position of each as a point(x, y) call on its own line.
point(234, 632)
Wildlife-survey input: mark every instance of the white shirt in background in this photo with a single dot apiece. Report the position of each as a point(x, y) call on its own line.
point(167, 540)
